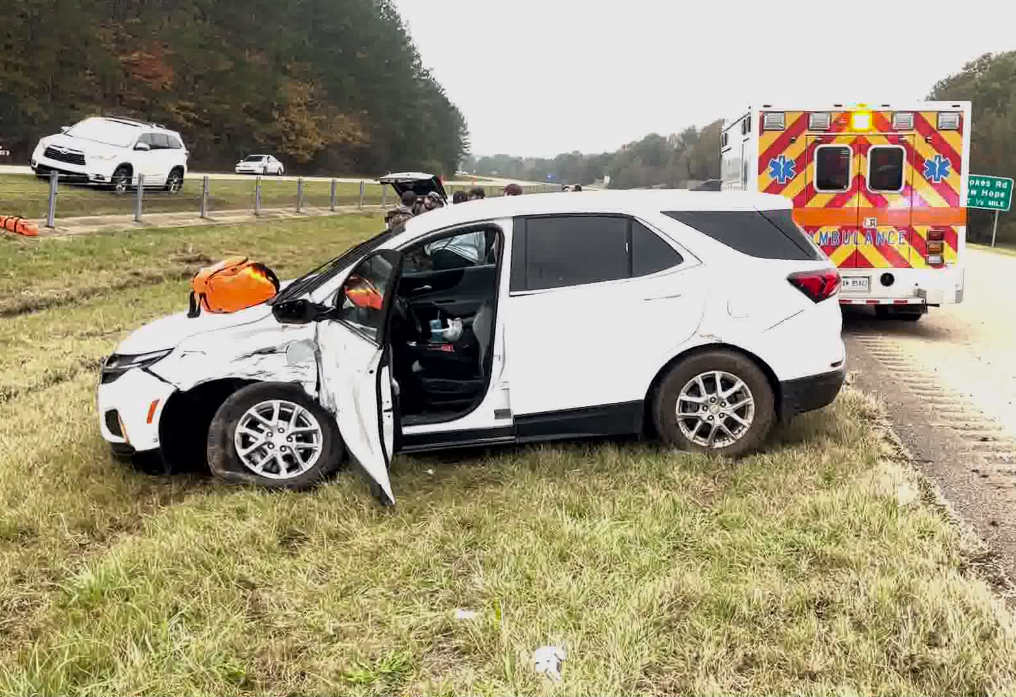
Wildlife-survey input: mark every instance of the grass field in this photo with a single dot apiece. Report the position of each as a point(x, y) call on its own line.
point(1009, 249)
point(816, 567)
point(28, 196)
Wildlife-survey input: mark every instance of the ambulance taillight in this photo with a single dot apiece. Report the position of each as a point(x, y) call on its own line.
point(819, 121)
point(903, 121)
point(948, 121)
point(774, 121)
point(936, 247)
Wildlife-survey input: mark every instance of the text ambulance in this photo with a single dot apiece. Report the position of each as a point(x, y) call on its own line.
point(882, 190)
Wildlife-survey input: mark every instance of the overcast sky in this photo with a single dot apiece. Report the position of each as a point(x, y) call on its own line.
point(540, 77)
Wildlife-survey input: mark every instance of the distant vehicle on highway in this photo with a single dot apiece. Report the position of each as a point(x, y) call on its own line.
point(260, 164)
point(708, 185)
point(114, 150)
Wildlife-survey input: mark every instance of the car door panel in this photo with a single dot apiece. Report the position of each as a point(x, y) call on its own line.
point(356, 384)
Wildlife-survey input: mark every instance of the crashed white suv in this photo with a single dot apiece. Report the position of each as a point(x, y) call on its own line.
point(702, 317)
point(113, 151)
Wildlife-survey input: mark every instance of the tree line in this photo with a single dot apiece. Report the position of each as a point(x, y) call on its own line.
point(673, 161)
point(693, 155)
point(330, 86)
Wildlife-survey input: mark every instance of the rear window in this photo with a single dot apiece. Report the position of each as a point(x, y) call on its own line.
point(885, 168)
point(766, 235)
point(832, 168)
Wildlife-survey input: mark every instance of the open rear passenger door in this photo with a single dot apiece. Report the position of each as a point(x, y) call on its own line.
point(354, 365)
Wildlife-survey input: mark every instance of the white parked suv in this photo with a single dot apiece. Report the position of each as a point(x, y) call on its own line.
point(114, 151)
point(701, 317)
point(259, 164)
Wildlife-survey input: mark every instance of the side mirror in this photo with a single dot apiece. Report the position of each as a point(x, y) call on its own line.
point(142, 147)
point(300, 311)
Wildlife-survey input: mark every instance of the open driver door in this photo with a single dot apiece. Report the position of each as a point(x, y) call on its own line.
point(355, 358)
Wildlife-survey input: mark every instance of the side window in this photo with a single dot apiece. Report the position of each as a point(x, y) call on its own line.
point(649, 253)
point(174, 143)
point(885, 168)
point(572, 251)
point(161, 141)
point(360, 301)
point(832, 168)
point(147, 140)
point(474, 248)
point(759, 234)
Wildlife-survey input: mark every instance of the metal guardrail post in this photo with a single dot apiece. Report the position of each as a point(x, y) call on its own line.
point(257, 196)
point(363, 185)
point(204, 197)
point(51, 212)
point(384, 195)
point(331, 204)
point(137, 201)
point(299, 195)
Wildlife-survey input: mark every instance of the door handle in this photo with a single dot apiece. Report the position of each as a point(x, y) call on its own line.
point(663, 297)
point(423, 288)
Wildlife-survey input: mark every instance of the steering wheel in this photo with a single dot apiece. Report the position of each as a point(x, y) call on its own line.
point(401, 310)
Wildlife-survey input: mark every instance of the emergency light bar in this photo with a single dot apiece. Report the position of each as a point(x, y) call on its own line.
point(819, 121)
point(774, 121)
point(860, 121)
point(903, 121)
point(948, 121)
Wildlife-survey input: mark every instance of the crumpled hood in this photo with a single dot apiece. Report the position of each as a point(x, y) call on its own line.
point(171, 331)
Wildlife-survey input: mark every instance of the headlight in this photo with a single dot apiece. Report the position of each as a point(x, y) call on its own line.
point(118, 364)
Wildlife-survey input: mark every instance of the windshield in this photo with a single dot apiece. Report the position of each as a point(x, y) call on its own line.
point(254, 158)
point(313, 279)
point(107, 132)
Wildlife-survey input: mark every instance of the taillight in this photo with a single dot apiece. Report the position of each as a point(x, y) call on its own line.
point(817, 285)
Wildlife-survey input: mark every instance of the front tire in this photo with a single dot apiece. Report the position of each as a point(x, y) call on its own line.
point(121, 180)
point(717, 402)
point(273, 435)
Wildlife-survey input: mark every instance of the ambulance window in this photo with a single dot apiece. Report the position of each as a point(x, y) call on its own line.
point(885, 168)
point(832, 168)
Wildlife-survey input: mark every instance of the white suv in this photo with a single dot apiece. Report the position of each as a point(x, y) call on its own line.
point(114, 151)
point(701, 317)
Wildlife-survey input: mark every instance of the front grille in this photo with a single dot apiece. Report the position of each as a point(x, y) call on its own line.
point(71, 158)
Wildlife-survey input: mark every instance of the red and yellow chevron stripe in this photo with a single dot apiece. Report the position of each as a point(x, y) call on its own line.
point(859, 228)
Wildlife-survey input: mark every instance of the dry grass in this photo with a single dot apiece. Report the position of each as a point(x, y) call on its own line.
point(811, 568)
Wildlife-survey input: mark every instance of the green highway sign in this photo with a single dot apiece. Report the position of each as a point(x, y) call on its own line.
point(992, 193)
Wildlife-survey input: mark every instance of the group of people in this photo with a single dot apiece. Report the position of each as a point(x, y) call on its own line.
point(413, 205)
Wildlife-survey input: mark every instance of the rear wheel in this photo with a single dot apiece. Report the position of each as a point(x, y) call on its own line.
point(715, 402)
point(273, 435)
point(121, 180)
point(174, 182)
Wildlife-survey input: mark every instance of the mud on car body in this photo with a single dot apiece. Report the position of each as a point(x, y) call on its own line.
point(701, 317)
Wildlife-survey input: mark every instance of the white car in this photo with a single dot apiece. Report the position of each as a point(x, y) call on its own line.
point(114, 151)
point(702, 317)
point(260, 164)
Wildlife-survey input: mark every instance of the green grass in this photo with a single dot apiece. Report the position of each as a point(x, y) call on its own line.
point(810, 568)
point(28, 196)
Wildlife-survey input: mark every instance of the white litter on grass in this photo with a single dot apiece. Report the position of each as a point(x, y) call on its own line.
point(461, 614)
point(548, 660)
point(430, 472)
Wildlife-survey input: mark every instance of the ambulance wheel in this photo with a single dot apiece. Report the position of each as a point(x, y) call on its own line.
point(273, 435)
point(717, 402)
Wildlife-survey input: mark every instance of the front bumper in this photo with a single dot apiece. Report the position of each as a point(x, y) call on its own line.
point(130, 408)
point(810, 393)
point(94, 171)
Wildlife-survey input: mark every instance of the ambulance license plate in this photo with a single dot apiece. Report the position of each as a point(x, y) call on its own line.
point(856, 284)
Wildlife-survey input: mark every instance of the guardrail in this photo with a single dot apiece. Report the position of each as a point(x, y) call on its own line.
point(50, 198)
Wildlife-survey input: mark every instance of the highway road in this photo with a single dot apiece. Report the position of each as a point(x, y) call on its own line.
point(949, 382)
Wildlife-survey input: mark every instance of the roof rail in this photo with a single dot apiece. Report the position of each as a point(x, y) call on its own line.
point(128, 119)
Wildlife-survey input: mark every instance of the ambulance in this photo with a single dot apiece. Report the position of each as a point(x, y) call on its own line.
point(882, 189)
